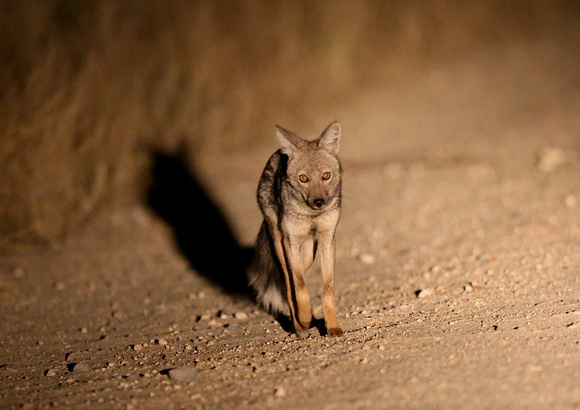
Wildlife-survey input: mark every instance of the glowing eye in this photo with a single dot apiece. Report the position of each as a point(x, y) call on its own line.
point(303, 178)
point(326, 175)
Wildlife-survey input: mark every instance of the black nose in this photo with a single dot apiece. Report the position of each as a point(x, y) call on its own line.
point(318, 202)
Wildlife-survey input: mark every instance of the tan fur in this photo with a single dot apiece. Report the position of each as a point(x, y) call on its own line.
point(299, 195)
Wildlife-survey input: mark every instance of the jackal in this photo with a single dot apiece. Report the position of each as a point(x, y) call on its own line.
point(299, 195)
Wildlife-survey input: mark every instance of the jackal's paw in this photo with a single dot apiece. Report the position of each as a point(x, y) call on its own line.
point(335, 331)
point(301, 332)
point(305, 323)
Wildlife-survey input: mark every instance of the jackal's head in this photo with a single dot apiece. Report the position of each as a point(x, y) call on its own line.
point(313, 168)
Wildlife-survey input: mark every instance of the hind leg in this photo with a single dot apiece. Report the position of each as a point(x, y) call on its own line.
point(290, 282)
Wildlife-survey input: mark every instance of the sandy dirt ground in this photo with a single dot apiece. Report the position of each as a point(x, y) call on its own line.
point(458, 268)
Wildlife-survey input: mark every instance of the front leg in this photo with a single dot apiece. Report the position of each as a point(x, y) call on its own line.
point(295, 262)
point(327, 246)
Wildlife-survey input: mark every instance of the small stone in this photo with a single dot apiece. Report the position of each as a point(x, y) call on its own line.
point(7, 368)
point(364, 360)
point(423, 293)
point(535, 369)
point(241, 315)
point(224, 314)
point(435, 269)
point(550, 158)
point(138, 347)
point(366, 258)
point(50, 373)
point(468, 288)
point(118, 315)
point(280, 392)
point(183, 374)
point(81, 367)
point(161, 342)
point(72, 356)
point(233, 326)
point(133, 377)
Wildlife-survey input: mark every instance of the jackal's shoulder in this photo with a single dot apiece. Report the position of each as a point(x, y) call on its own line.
point(271, 180)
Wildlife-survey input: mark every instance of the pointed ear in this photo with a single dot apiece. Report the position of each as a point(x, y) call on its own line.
point(330, 138)
point(289, 142)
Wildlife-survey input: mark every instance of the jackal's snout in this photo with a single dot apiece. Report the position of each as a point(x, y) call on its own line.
point(318, 203)
point(317, 196)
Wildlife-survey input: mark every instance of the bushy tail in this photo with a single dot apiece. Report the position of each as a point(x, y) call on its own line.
point(265, 275)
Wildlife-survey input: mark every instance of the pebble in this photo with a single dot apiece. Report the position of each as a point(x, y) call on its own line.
point(550, 158)
point(183, 374)
point(570, 201)
point(133, 377)
point(118, 315)
point(81, 367)
point(241, 315)
point(425, 292)
point(535, 369)
point(72, 356)
point(138, 347)
point(50, 373)
point(280, 392)
point(161, 342)
point(233, 326)
point(435, 269)
point(366, 258)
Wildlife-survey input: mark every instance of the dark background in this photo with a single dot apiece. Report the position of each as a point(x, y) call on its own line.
point(89, 90)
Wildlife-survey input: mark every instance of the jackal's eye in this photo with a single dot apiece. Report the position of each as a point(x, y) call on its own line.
point(303, 178)
point(326, 175)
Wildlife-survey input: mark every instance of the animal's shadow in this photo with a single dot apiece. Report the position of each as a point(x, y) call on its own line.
point(200, 228)
point(286, 324)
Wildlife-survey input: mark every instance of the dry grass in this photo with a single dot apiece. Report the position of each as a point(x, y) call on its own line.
point(88, 88)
